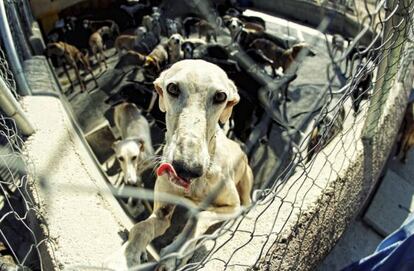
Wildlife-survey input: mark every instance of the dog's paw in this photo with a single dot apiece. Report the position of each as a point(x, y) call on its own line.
point(135, 255)
point(167, 265)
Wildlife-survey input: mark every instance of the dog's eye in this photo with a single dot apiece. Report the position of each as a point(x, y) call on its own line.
point(173, 90)
point(120, 158)
point(134, 158)
point(219, 97)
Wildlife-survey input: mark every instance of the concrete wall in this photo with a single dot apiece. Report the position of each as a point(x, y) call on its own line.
point(311, 14)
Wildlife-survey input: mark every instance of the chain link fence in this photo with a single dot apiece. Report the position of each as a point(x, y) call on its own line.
point(19, 245)
point(313, 168)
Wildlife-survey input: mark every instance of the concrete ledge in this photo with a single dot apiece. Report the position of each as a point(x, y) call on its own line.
point(39, 76)
point(36, 40)
point(81, 219)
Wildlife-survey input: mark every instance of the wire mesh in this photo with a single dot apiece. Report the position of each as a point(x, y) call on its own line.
point(319, 148)
point(351, 75)
point(19, 213)
point(17, 209)
point(6, 74)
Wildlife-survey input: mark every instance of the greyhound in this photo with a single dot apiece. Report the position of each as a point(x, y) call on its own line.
point(72, 56)
point(130, 42)
point(279, 56)
point(134, 150)
point(235, 26)
point(206, 29)
point(174, 48)
point(125, 42)
point(188, 48)
point(95, 25)
point(156, 59)
point(197, 157)
point(338, 44)
point(189, 45)
point(97, 45)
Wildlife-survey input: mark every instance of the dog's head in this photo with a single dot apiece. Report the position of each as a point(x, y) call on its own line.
point(151, 66)
point(172, 27)
point(55, 48)
point(104, 30)
point(128, 153)
point(86, 23)
point(235, 25)
point(188, 48)
point(140, 32)
point(175, 41)
point(195, 95)
point(297, 48)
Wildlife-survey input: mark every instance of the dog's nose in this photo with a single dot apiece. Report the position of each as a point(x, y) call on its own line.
point(130, 180)
point(186, 172)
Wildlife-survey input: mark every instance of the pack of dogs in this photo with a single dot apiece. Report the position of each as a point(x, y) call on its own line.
point(197, 97)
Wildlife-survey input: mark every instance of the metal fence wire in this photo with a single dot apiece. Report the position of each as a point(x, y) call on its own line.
point(270, 234)
point(300, 159)
point(19, 245)
point(7, 75)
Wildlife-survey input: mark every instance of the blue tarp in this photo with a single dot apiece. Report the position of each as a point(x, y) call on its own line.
point(394, 253)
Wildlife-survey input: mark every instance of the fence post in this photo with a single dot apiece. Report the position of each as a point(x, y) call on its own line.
point(14, 22)
point(11, 53)
point(12, 108)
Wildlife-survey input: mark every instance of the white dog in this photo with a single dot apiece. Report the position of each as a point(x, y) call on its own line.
point(135, 147)
point(197, 157)
point(174, 48)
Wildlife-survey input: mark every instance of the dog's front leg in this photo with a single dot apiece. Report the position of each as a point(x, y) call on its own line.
point(146, 231)
point(192, 233)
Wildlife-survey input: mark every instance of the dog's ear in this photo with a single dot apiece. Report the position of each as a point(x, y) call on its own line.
point(158, 87)
point(140, 142)
point(298, 47)
point(233, 99)
point(227, 20)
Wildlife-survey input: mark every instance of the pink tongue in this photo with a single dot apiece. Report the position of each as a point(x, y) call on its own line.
point(169, 169)
point(166, 168)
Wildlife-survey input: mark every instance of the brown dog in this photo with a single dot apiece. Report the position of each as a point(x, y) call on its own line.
point(96, 44)
point(72, 56)
point(131, 58)
point(125, 42)
point(156, 59)
point(279, 56)
point(206, 29)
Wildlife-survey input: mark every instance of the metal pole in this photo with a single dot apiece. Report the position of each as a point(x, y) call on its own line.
point(19, 32)
point(12, 56)
point(12, 108)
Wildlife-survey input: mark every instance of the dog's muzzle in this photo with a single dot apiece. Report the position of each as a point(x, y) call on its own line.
point(167, 168)
point(179, 174)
